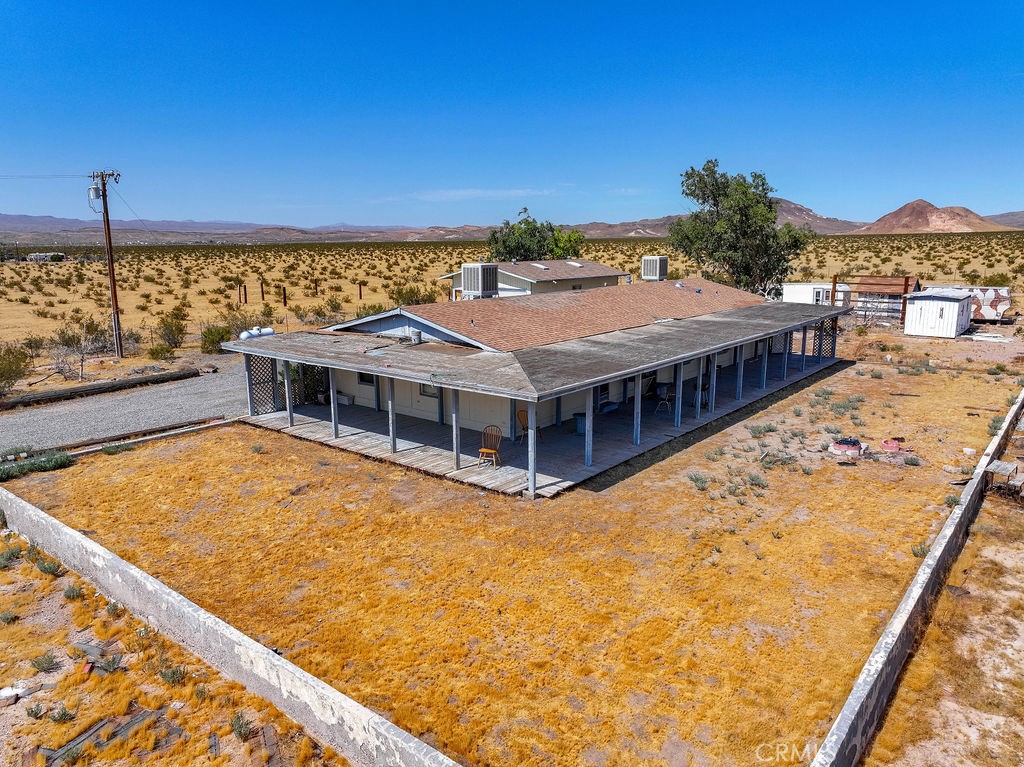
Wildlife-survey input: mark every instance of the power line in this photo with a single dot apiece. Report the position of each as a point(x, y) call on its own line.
point(122, 199)
point(38, 175)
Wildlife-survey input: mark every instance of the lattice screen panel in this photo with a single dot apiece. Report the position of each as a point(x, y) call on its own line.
point(263, 399)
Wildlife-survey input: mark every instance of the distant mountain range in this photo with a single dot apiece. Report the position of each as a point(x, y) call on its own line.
point(34, 231)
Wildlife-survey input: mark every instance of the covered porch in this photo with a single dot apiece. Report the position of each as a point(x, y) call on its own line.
point(561, 451)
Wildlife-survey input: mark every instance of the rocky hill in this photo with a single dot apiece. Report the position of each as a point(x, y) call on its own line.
point(920, 216)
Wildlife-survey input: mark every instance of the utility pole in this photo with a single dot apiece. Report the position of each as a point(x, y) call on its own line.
point(98, 190)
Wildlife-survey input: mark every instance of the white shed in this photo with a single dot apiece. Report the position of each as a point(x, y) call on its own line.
point(815, 293)
point(938, 312)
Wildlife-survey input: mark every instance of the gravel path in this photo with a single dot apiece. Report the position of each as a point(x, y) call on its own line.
point(107, 415)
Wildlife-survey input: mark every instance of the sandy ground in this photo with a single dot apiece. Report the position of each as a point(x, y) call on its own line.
point(961, 700)
point(651, 622)
point(47, 621)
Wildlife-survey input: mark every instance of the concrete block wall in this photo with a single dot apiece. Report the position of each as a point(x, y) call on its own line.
point(863, 711)
point(361, 736)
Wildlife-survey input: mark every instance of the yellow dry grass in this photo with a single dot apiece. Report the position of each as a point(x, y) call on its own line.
point(645, 624)
point(48, 622)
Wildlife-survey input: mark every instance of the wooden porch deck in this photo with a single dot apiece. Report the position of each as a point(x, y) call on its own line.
point(426, 445)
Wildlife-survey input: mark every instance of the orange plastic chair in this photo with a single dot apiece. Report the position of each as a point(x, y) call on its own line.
point(490, 444)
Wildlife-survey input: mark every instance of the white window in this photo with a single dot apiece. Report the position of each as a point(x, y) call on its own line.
point(823, 295)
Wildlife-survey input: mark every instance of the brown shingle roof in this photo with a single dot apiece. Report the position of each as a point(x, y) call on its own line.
point(508, 324)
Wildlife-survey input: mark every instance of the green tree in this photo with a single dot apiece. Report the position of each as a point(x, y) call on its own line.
point(733, 236)
point(14, 364)
point(527, 239)
point(566, 244)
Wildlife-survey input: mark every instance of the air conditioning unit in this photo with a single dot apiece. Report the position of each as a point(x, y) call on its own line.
point(654, 268)
point(479, 280)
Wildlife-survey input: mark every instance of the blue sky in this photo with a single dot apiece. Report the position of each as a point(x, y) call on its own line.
point(452, 113)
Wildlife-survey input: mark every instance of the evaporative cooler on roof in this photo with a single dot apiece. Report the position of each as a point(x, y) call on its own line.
point(654, 268)
point(479, 280)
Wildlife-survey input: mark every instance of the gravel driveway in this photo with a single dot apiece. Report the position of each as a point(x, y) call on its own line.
point(147, 407)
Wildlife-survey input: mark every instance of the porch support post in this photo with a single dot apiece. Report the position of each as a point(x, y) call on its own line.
point(739, 372)
point(333, 390)
point(376, 394)
point(637, 401)
point(391, 414)
point(456, 430)
point(248, 384)
point(764, 363)
point(531, 420)
point(786, 346)
point(288, 392)
point(803, 348)
point(819, 333)
point(677, 380)
point(512, 422)
point(588, 431)
point(713, 385)
point(699, 388)
point(558, 411)
point(273, 378)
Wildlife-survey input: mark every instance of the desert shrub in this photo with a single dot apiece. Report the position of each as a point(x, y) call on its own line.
point(952, 500)
point(48, 461)
point(212, 337)
point(238, 318)
point(14, 365)
point(919, 550)
point(367, 309)
point(35, 711)
point(63, 715)
point(759, 430)
point(911, 460)
point(171, 327)
point(7, 617)
point(45, 663)
point(173, 675)
point(160, 351)
point(73, 592)
point(995, 425)
point(877, 374)
point(240, 726)
point(699, 480)
point(410, 294)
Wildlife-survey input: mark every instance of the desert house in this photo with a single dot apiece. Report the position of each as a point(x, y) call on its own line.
point(938, 312)
point(521, 278)
point(576, 381)
point(832, 292)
